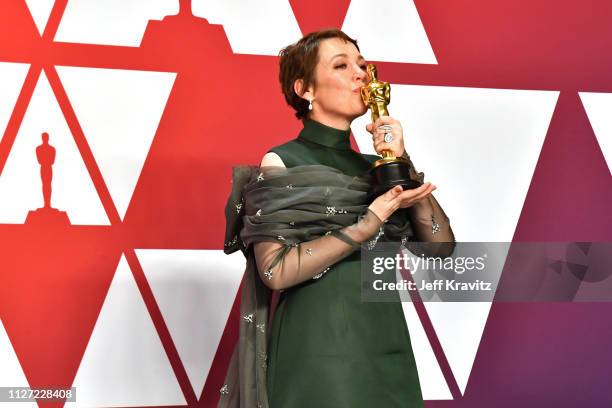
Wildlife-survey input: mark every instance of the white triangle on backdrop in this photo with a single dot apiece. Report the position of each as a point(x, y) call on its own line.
point(20, 182)
point(252, 27)
point(111, 22)
point(431, 378)
point(480, 147)
point(11, 373)
point(12, 76)
point(389, 30)
point(40, 11)
point(195, 291)
point(125, 363)
point(598, 106)
point(459, 327)
point(119, 112)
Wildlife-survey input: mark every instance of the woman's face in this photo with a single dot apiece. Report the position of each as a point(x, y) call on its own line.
point(339, 76)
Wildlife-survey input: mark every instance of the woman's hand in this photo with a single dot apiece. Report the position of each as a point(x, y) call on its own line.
point(383, 125)
point(386, 204)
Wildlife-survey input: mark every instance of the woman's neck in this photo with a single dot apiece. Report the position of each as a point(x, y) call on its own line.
point(336, 122)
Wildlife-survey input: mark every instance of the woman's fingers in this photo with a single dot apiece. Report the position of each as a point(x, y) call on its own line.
point(410, 197)
point(383, 120)
point(413, 195)
point(387, 203)
point(416, 191)
point(426, 191)
point(380, 146)
point(383, 127)
point(393, 193)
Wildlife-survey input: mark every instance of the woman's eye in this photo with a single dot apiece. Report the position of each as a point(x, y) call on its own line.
point(340, 66)
point(364, 67)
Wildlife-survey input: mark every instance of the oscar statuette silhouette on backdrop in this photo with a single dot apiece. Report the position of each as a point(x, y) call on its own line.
point(389, 171)
point(47, 215)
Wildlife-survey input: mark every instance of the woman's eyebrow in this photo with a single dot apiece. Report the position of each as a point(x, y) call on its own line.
point(360, 58)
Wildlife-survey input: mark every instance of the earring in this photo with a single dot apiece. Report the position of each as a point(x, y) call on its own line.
point(310, 104)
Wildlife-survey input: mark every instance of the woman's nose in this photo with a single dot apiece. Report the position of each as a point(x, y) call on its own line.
point(361, 75)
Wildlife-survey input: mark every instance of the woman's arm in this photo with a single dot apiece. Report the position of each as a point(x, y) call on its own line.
point(280, 268)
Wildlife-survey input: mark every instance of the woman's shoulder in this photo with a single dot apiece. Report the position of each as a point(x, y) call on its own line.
point(272, 159)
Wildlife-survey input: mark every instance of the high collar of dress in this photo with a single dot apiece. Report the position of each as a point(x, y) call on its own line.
point(324, 135)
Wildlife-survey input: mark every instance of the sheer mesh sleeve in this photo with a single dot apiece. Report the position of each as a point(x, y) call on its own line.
point(433, 234)
point(282, 266)
point(430, 223)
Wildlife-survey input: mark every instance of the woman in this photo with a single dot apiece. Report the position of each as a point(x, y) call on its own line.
point(325, 348)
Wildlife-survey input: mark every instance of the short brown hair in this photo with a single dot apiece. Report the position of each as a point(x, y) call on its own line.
point(298, 61)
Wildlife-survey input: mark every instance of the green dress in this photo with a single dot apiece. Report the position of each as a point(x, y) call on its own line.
point(328, 349)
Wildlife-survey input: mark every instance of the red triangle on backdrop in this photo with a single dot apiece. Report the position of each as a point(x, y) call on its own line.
point(54, 282)
point(310, 17)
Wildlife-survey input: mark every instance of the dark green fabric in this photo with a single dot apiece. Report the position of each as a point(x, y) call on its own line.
point(320, 144)
point(327, 349)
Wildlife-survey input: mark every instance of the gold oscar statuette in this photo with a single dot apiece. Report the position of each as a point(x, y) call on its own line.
point(389, 171)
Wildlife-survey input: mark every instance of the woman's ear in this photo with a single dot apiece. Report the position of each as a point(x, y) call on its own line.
point(298, 87)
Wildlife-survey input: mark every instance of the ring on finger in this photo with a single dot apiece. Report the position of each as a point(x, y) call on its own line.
point(384, 129)
point(388, 137)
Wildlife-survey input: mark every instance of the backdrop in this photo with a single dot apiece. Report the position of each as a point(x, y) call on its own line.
point(121, 288)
